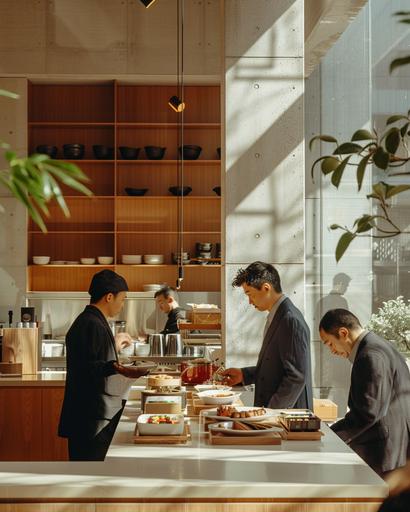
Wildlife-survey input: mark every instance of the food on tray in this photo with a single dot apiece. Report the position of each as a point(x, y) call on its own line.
point(160, 377)
point(162, 418)
point(232, 412)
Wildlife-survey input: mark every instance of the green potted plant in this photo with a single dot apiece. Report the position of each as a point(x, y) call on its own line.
point(36, 179)
point(392, 322)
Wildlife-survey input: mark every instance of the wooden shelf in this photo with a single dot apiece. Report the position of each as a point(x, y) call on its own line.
point(168, 198)
point(111, 223)
point(168, 162)
point(33, 124)
point(168, 125)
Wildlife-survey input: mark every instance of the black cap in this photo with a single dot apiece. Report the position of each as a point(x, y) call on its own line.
point(105, 282)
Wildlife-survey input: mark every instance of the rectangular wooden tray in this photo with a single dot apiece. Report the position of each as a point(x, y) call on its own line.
point(268, 439)
point(302, 436)
point(182, 439)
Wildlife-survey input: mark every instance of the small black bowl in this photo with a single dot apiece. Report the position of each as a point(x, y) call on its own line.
point(190, 152)
point(103, 152)
point(154, 152)
point(73, 151)
point(218, 150)
point(128, 153)
point(51, 151)
point(135, 191)
point(180, 191)
point(217, 190)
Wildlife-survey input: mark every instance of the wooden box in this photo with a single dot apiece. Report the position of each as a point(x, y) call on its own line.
point(325, 409)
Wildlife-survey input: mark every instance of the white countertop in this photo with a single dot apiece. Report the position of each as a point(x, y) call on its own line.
point(295, 469)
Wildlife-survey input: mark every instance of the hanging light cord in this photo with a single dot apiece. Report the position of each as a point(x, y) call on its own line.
point(180, 75)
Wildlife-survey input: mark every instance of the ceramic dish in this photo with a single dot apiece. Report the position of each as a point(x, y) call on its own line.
point(41, 260)
point(226, 427)
point(160, 429)
point(218, 397)
point(87, 261)
point(131, 259)
point(153, 259)
point(206, 387)
point(105, 260)
point(270, 413)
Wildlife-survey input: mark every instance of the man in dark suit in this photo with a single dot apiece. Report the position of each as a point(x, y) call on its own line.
point(282, 375)
point(377, 426)
point(90, 413)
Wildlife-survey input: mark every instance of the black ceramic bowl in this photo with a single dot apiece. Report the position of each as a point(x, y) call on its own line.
point(135, 191)
point(73, 151)
point(180, 191)
point(129, 153)
point(217, 190)
point(51, 151)
point(154, 152)
point(218, 150)
point(103, 152)
point(190, 152)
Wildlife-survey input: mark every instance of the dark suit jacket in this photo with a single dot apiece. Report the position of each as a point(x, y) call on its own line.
point(283, 376)
point(378, 422)
point(90, 347)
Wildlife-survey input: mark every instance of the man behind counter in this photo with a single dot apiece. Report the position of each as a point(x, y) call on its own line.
point(165, 299)
point(90, 414)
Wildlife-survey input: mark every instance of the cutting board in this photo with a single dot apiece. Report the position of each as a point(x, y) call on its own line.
point(182, 439)
point(302, 436)
point(20, 345)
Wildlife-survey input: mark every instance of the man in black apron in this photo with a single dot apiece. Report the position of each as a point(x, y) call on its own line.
point(90, 413)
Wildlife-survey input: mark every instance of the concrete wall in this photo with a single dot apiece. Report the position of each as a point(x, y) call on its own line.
point(109, 37)
point(13, 237)
point(264, 146)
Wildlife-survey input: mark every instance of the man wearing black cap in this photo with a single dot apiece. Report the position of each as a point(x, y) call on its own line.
point(90, 414)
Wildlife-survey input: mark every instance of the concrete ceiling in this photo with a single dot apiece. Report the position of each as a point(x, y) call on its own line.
point(325, 22)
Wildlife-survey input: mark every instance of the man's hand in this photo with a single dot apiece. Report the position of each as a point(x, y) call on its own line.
point(142, 335)
point(132, 372)
point(232, 376)
point(122, 340)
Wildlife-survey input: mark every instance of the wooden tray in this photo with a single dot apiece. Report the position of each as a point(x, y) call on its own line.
point(196, 406)
point(268, 439)
point(302, 436)
point(182, 439)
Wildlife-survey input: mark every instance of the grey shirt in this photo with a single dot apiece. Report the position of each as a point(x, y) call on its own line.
point(352, 355)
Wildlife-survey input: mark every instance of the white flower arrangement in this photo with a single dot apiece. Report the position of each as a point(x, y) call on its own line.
point(392, 322)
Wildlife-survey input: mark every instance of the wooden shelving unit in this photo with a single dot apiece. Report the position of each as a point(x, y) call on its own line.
point(112, 223)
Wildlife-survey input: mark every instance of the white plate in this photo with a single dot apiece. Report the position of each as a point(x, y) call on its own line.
point(211, 413)
point(225, 427)
point(209, 397)
point(216, 387)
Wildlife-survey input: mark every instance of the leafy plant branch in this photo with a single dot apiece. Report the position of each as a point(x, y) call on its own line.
point(36, 179)
point(386, 151)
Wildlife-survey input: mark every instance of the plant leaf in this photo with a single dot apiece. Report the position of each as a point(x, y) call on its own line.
point(343, 244)
point(396, 189)
point(397, 63)
point(9, 94)
point(361, 169)
point(324, 138)
point(365, 223)
point(338, 173)
point(392, 141)
point(335, 226)
point(329, 164)
point(395, 118)
point(363, 135)
point(381, 158)
point(347, 148)
point(403, 129)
